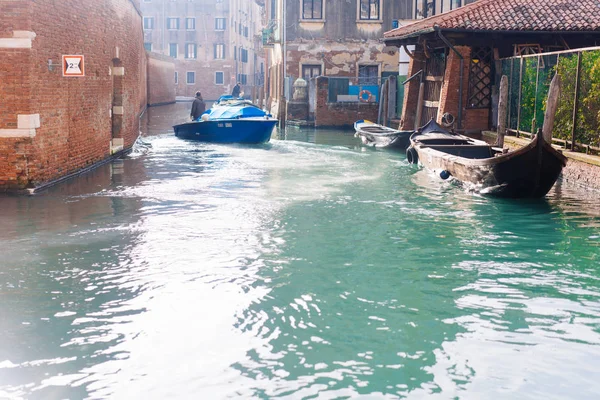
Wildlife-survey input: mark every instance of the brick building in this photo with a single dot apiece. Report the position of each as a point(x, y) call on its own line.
point(51, 125)
point(214, 43)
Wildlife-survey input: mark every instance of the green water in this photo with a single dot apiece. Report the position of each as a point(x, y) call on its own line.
point(306, 268)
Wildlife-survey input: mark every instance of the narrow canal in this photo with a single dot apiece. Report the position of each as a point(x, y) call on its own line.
point(309, 267)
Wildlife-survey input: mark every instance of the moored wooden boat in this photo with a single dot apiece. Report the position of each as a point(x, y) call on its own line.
point(530, 171)
point(375, 135)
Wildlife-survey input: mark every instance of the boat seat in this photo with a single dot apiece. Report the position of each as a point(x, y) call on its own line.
point(374, 129)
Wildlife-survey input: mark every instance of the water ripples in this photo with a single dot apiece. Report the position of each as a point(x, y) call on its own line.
point(295, 270)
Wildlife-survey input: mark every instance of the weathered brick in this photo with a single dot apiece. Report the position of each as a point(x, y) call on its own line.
point(75, 123)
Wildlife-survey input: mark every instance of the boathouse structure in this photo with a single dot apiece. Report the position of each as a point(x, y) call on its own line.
point(72, 87)
point(456, 58)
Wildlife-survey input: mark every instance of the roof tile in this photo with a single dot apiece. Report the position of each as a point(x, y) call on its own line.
point(513, 15)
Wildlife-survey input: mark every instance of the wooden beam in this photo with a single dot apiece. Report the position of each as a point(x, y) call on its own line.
point(551, 107)
point(502, 110)
point(419, 105)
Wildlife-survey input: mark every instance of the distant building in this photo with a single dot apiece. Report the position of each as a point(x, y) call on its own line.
point(72, 87)
point(215, 43)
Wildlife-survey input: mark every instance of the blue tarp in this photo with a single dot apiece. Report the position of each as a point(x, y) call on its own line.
point(235, 112)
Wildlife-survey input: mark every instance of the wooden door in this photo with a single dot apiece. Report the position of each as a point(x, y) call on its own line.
point(433, 79)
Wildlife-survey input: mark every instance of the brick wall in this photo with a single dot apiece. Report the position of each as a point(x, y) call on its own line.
point(340, 114)
point(161, 79)
point(411, 94)
point(473, 119)
point(580, 173)
point(297, 110)
point(52, 126)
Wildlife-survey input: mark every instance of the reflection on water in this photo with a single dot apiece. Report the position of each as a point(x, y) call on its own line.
point(308, 267)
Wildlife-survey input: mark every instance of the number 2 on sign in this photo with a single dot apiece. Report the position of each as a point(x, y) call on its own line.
point(73, 65)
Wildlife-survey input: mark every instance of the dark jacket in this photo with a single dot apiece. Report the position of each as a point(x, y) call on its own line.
point(198, 108)
point(236, 91)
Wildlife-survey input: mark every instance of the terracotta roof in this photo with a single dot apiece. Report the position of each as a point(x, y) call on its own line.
point(511, 15)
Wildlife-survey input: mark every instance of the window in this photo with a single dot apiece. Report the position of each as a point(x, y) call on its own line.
point(245, 31)
point(219, 24)
point(173, 50)
point(367, 74)
point(148, 46)
point(190, 77)
point(244, 55)
point(176, 78)
point(369, 9)
point(190, 50)
point(235, 52)
point(219, 78)
point(312, 9)
point(309, 71)
point(480, 78)
point(242, 78)
point(219, 51)
point(190, 24)
point(172, 23)
point(148, 22)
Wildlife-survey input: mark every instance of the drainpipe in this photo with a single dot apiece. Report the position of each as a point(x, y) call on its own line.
point(460, 89)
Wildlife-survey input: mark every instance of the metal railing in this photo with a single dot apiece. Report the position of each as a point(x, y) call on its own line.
point(577, 121)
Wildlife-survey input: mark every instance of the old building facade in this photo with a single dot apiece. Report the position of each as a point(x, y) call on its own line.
point(214, 43)
point(309, 38)
point(71, 93)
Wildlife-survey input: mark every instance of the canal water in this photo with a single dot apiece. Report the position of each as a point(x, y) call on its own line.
point(306, 268)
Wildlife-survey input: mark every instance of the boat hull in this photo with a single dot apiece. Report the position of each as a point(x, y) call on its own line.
point(244, 130)
point(529, 172)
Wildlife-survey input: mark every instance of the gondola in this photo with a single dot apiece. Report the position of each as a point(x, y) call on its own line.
point(375, 135)
point(528, 172)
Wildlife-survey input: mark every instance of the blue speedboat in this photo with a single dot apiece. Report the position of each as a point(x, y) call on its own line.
point(232, 121)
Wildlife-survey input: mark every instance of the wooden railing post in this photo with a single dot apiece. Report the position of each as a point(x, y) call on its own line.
point(576, 101)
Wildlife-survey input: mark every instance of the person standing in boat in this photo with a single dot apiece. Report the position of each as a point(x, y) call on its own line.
point(198, 107)
point(236, 91)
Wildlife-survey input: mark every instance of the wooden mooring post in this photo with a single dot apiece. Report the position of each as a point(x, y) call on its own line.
point(551, 107)
point(502, 111)
point(419, 106)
